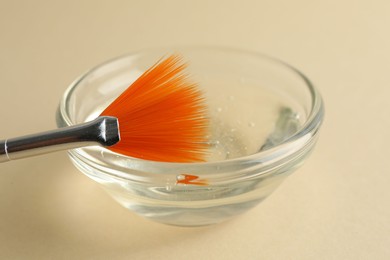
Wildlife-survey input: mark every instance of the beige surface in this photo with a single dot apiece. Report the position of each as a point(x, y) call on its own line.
point(335, 207)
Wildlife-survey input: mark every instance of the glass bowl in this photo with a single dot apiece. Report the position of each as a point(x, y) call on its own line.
point(264, 114)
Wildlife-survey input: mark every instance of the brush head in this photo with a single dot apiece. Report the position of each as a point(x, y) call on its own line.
point(162, 116)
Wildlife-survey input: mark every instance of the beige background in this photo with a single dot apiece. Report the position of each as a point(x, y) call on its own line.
point(335, 207)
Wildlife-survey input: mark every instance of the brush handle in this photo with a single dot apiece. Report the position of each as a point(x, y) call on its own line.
point(102, 131)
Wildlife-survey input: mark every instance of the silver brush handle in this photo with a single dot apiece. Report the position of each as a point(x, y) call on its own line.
point(101, 131)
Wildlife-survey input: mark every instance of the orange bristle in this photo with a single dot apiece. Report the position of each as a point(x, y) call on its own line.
point(162, 116)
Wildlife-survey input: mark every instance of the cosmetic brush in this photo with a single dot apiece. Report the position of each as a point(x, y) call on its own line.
point(159, 117)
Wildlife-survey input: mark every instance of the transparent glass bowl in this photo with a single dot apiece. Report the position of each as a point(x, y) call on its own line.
point(265, 116)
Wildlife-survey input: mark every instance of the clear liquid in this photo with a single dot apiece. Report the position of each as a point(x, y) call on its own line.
point(241, 123)
point(244, 121)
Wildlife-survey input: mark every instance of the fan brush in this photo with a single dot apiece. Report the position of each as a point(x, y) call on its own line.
point(161, 117)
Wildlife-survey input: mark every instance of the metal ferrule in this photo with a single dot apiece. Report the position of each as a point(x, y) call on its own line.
point(102, 131)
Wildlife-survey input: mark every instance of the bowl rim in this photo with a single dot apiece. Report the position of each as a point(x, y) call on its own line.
point(301, 139)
